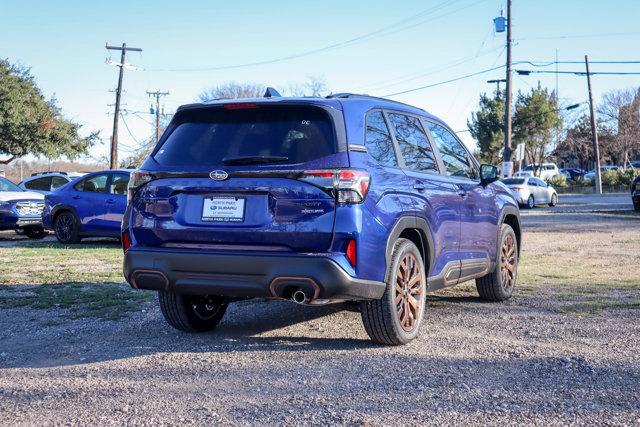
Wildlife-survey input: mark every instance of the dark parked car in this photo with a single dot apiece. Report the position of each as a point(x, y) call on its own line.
point(316, 200)
point(90, 206)
point(573, 174)
point(635, 193)
point(20, 210)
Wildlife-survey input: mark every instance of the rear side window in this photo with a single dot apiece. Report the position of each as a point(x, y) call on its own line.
point(219, 136)
point(119, 183)
point(57, 181)
point(455, 157)
point(413, 142)
point(513, 181)
point(42, 184)
point(378, 140)
point(94, 184)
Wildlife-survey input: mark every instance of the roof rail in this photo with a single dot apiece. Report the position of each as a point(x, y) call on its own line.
point(48, 172)
point(357, 95)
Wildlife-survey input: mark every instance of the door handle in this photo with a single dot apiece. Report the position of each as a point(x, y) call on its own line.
point(462, 192)
point(110, 201)
point(75, 197)
point(419, 186)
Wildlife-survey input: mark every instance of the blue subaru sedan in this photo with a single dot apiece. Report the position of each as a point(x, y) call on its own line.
point(90, 206)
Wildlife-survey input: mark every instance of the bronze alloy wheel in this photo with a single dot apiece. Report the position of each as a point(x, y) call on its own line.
point(407, 290)
point(508, 262)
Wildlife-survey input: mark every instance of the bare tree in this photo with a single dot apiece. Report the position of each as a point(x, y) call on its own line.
point(620, 112)
point(232, 90)
point(314, 86)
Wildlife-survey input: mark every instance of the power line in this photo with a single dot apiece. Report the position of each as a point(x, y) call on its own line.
point(520, 72)
point(387, 30)
point(579, 36)
point(129, 130)
point(466, 76)
point(429, 71)
point(578, 73)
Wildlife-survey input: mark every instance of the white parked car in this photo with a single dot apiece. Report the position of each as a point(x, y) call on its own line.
point(531, 191)
point(548, 171)
point(592, 173)
point(46, 182)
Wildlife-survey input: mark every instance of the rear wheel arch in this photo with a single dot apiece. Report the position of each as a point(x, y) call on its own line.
point(417, 231)
point(511, 217)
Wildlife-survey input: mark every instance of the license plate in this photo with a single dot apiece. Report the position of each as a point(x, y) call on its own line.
point(223, 209)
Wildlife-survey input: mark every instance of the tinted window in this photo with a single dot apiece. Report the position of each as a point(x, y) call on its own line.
point(455, 157)
point(513, 181)
point(57, 181)
point(413, 142)
point(94, 184)
point(42, 184)
point(119, 183)
point(378, 140)
point(207, 137)
point(6, 185)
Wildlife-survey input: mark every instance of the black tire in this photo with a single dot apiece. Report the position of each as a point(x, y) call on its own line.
point(382, 318)
point(498, 285)
point(554, 200)
point(636, 205)
point(192, 313)
point(35, 232)
point(67, 228)
point(531, 203)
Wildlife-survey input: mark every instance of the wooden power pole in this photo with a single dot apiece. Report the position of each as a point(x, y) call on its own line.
point(594, 131)
point(114, 137)
point(507, 104)
point(157, 94)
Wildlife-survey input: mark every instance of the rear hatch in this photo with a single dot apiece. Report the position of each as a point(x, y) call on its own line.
point(242, 177)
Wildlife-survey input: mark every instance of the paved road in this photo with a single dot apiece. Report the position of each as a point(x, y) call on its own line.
point(590, 203)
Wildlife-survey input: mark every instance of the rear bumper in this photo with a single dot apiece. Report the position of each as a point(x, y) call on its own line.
point(244, 275)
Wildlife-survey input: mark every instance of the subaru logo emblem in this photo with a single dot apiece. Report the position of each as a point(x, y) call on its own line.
point(218, 175)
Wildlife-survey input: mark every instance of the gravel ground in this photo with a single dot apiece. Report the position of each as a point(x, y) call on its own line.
point(521, 362)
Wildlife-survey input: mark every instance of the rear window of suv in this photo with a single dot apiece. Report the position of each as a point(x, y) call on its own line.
point(260, 135)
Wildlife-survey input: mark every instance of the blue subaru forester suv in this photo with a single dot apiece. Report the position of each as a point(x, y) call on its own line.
point(316, 200)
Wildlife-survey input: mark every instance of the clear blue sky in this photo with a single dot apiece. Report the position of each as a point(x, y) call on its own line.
point(64, 42)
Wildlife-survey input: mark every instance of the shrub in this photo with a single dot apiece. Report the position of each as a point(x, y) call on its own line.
point(558, 181)
point(610, 177)
point(626, 177)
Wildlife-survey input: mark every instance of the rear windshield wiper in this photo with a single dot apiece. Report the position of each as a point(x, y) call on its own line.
point(253, 160)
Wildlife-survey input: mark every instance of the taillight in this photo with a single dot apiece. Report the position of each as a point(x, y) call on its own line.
point(348, 185)
point(517, 188)
point(351, 252)
point(137, 179)
point(125, 240)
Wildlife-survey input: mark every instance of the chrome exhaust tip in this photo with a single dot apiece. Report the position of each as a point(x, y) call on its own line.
point(300, 297)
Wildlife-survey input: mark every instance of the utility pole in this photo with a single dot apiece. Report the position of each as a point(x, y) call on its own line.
point(497, 82)
point(116, 115)
point(157, 94)
point(594, 131)
point(507, 165)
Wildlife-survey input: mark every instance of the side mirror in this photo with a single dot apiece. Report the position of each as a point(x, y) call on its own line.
point(488, 174)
